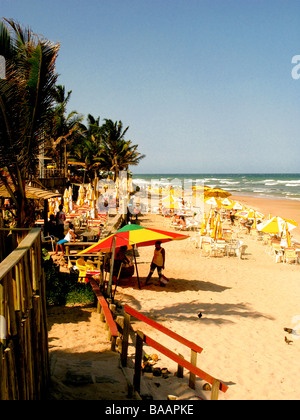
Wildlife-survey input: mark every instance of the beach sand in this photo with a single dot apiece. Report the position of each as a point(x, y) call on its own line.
point(245, 305)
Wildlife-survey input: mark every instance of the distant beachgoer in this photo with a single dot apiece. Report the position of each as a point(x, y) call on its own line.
point(182, 221)
point(232, 216)
point(60, 219)
point(66, 239)
point(158, 261)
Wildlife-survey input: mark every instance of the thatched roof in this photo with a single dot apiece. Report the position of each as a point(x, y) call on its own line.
point(31, 192)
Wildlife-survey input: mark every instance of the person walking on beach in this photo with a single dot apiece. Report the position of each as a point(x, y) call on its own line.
point(158, 261)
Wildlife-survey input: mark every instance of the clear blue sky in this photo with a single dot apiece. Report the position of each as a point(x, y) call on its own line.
point(204, 85)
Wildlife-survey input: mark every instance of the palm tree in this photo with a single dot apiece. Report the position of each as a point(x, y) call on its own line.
point(118, 153)
point(26, 98)
point(61, 130)
point(87, 149)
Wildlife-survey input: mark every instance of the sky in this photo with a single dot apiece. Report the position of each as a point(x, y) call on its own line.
point(205, 86)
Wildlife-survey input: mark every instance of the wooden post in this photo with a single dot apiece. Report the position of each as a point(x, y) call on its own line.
point(138, 361)
point(111, 267)
point(215, 389)
point(180, 368)
point(126, 330)
point(192, 380)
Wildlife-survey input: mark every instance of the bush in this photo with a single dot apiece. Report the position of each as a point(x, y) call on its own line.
point(63, 288)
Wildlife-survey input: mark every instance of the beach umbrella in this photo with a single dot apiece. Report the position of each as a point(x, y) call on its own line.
point(217, 230)
point(250, 214)
point(210, 221)
point(276, 225)
point(169, 202)
point(285, 236)
point(80, 200)
point(238, 206)
point(227, 202)
point(131, 235)
point(51, 205)
point(66, 201)
point(203, 224)
point(217, 192)
point(213, 202)
point(200, 188)
point(70, 198)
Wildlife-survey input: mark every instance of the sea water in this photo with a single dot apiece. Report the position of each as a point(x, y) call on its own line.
point(280, 186)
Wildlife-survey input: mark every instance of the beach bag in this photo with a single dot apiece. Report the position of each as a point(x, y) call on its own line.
point(164, 280)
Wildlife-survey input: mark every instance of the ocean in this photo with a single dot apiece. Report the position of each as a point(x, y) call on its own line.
point(280, 186)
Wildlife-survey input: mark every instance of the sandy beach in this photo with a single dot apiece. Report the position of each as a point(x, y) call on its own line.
point(245, 306)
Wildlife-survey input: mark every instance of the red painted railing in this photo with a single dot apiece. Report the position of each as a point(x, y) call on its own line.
point(191, 366)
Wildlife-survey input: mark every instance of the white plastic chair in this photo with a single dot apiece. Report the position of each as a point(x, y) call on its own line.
point(47, 239)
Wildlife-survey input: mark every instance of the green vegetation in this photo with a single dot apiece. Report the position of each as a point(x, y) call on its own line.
point(34, 120)
point(63, 288)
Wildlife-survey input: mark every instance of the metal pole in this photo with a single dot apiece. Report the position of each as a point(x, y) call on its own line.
point(109, 286)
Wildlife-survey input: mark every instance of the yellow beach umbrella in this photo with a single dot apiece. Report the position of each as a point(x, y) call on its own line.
point(169, 202)
point(217, 230)
point(285, 236)
point(249, 214)
point(276, 225)
point(66, 201)
point(210, 221)
point(227, 202)
point(80, 200)
point(213, 202)
point(217, 192)
point(203, 224)
point(200, 188)
point(238, 206)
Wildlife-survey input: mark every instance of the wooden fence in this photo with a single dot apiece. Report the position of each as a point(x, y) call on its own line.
point(142, 338)
point(24, 358)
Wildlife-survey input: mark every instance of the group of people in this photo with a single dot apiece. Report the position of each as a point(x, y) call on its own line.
point(56, 227)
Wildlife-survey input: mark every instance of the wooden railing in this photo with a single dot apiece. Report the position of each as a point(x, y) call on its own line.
point(24, 359)
point(106, 314)
point(142, 338)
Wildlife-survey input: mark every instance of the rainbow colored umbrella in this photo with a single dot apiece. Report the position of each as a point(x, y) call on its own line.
point(133, 235)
